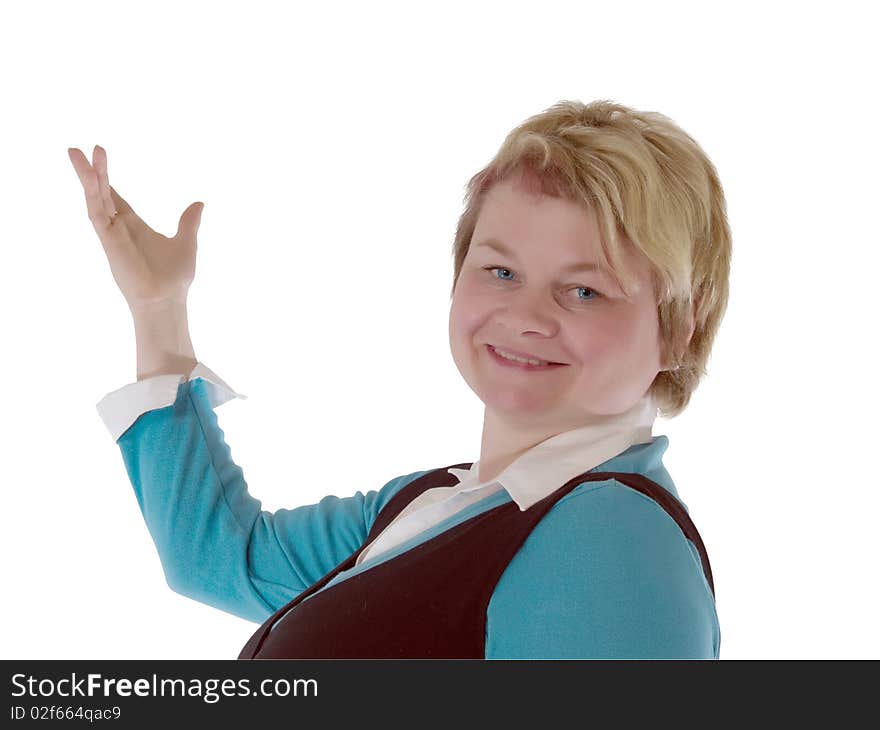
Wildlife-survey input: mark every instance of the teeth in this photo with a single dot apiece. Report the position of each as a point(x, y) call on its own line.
point(507, 356)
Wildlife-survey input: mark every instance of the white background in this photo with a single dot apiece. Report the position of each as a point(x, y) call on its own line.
point(331, 148)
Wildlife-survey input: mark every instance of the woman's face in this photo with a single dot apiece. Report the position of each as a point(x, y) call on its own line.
point(532, 303)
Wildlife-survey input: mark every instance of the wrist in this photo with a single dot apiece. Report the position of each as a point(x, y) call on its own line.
point(164, 345)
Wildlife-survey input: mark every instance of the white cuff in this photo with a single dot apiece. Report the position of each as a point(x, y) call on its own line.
point(121, 408)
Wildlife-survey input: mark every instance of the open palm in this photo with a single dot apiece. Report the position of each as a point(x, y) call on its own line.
point(147, 266)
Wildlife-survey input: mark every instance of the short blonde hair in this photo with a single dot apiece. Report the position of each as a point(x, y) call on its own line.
point(652, 187)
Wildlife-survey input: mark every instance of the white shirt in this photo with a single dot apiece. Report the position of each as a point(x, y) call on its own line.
point(532, 476)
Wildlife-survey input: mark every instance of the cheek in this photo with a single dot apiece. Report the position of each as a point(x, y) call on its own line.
point(596, 340)
point(630, 344)
point(467, 315)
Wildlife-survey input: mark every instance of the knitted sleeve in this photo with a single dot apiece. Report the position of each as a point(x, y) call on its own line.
point(606, 574)
point(214, 541)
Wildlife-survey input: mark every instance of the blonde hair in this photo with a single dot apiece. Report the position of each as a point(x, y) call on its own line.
point(652, 187)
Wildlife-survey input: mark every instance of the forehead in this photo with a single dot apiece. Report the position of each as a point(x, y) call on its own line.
point(520, 219)
point(521, 216)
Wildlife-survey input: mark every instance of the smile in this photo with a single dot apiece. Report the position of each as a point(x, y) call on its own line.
point(511, 361)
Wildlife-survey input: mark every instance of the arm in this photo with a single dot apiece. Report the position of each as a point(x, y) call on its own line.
point(607, 574)
point(215, 543)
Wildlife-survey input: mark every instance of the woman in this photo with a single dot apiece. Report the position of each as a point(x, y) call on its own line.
point(591, 271)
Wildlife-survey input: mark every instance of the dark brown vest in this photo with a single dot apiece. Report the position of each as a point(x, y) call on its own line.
point(430, 601)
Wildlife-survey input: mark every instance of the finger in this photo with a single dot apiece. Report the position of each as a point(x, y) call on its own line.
point(79, 161)
point(99, 157)
point(120, 205)
point(89, 179)
point(116, 201)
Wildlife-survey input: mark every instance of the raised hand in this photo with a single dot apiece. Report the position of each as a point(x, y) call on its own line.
point(149, 268)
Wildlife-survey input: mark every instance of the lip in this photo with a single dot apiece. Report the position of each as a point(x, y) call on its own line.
point(519, 365)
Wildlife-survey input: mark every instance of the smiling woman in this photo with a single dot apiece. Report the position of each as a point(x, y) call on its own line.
point(640, 196)
point(610, 342)
point(590, 277)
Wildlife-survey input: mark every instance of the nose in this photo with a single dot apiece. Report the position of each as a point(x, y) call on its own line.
point(529, 312)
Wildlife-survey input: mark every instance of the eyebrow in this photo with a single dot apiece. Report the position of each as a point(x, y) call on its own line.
point(495, 244)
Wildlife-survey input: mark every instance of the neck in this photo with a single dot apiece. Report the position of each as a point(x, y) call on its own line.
point(504, 441)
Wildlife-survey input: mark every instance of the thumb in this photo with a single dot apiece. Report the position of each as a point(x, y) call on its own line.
point(190, 219)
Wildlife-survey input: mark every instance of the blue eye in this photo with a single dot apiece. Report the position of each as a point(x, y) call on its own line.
point(499, 268)
point(588, 288)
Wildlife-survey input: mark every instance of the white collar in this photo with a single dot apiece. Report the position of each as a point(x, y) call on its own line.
point(548, 465)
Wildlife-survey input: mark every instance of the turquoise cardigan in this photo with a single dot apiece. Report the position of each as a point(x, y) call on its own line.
point(607, 573)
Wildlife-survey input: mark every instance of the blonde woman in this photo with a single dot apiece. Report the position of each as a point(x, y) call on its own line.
point(591, 268)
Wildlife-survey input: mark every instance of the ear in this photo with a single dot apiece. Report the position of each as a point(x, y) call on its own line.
point(691, 326)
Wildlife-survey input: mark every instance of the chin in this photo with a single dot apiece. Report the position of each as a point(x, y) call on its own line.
point(514, 403)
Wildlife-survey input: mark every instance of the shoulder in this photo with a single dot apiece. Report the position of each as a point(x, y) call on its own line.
point(615, 514)
point(607, 573)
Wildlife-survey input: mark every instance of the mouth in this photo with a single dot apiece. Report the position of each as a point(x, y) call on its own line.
point(504, 361)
